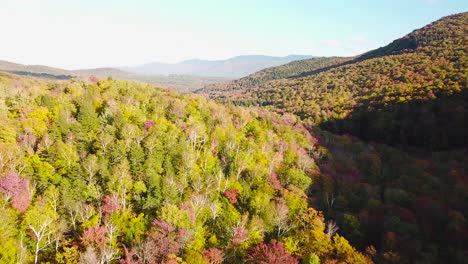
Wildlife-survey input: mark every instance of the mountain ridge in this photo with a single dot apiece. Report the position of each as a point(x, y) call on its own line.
point(433, 66)
point(238, 66)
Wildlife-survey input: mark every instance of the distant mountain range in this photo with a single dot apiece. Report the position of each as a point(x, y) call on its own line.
point(181, 83)
point(235, 67)
point(185, 76)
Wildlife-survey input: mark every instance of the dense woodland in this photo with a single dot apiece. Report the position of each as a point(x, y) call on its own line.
point(120, 172)
point(411, 92)
point(364, 161)
point(396, 178)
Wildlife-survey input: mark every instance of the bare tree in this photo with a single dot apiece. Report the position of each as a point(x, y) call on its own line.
point(331, 228)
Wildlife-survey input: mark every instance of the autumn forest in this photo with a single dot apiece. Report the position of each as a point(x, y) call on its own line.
point(321, 160)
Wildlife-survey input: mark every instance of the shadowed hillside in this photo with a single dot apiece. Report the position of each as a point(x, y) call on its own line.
point(395, 176)
point(428, 63)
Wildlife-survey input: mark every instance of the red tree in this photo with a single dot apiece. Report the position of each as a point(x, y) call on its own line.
point(16, 189)
point(213, 255)
point(162, 241)
point(273, 253)
point(239, 235)
point(110, 204)
point(232, 195)
point(95, 235)
point(129, 257)
point(274, 181)
point(149, 124)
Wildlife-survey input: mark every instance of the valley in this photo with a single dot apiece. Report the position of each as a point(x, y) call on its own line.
point(253, 159)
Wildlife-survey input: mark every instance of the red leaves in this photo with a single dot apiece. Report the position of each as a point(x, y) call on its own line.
point(129, 254)
point(213, 255)
point(21, 202)
point(275, 182)
point(232, 195)
point(16, 189)
point(239, 235)
point(110, 204)
point(163, 240)
point(149, 124)
point(95, 235)
point(273, 253)
point(162, 227)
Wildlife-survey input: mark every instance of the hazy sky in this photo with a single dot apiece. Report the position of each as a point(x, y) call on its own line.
point(93, 33)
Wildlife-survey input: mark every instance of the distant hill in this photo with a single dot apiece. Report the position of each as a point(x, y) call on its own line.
point(410, 92)
point(185, 76)
point(235, 67)
point(181, 83)
point(35, 70)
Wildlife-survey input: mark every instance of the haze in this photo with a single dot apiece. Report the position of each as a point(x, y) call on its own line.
point(85, 34)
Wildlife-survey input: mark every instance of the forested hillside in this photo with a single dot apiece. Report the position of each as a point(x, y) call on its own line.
point(411, 92)
point(393, 170)
point(119, 172)
point(290, 70)
point(410, 206)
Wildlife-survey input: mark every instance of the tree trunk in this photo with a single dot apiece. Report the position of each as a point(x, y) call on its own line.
point(37, 251)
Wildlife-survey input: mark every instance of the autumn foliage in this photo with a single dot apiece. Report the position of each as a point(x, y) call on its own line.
point(16, 189)
point(271, 253)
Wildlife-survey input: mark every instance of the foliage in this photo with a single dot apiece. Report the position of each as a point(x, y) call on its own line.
point(273, 253)
point(16, 189)
point(394, 180)
point(118, 171)
point(411, 92)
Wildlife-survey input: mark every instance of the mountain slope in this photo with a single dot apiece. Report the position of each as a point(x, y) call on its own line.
point(406, 200)
point(289, 70)
point(378, 96)
point(117, 170)
point(231, 68)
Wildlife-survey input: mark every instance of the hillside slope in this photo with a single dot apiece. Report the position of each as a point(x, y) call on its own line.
point(290, 70)
point(411, 92)
point(408, 200)
point(116, 171)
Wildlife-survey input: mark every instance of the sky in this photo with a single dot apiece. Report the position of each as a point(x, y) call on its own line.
point(74, 34)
